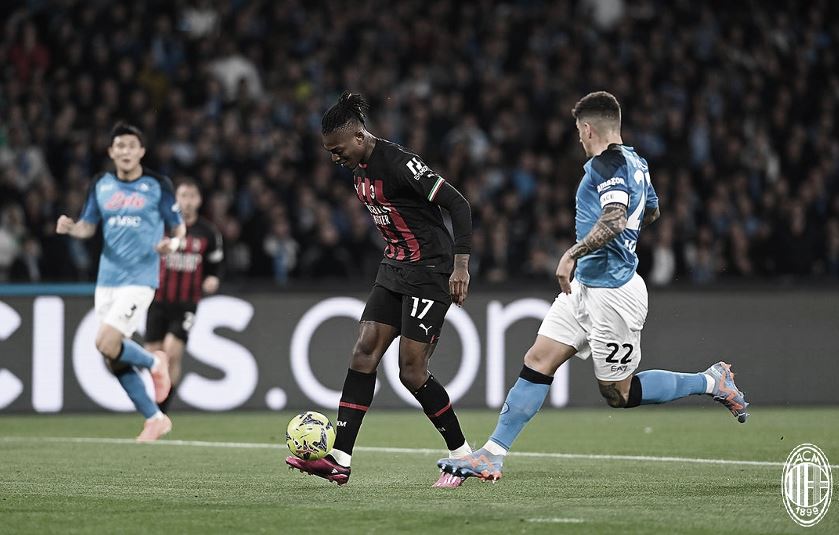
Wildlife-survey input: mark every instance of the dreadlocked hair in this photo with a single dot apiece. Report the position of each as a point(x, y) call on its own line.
point(349, 108)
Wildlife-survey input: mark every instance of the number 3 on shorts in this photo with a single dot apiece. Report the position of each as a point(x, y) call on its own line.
point(426, 304)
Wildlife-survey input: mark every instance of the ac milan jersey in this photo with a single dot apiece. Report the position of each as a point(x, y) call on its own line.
point(183, 271)
point(399, 191)
point(132, 214)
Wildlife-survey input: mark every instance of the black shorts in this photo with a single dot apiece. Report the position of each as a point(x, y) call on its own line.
point(175, 318)
point(413, 301)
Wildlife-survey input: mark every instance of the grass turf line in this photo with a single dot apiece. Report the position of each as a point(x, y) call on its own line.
point(53, 487)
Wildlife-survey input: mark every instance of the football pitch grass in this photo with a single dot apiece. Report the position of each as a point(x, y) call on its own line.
point(649, 470)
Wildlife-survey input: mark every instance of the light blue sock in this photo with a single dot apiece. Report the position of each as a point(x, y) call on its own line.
point(661, 386)
point(523, 401)
point(133, 385)
point(134, 355)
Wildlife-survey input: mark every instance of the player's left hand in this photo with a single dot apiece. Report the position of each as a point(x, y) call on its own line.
point(167, 245)
point(563, 272)
point(210, 285)
point(459, 285)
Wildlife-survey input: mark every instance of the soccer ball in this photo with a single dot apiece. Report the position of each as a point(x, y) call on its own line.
point(310, 436)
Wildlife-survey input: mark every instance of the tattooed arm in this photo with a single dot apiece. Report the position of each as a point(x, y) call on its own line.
point(612, 221)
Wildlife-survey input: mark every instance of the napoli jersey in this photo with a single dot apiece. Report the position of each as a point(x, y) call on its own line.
point(617, 175)
point(132, 215)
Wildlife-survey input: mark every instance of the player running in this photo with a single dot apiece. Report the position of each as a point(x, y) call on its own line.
point(600, 313)
point(185, 276)
point(133, 204)
point(422, 273)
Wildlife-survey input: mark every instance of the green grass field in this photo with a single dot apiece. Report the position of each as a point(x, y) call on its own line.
point(51, 484)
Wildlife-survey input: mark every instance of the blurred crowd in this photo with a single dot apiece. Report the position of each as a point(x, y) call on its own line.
point(734, 105)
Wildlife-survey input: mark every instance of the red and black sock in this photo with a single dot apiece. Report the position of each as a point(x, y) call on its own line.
point(436, 405)
point(355, 400)
point(164, 405)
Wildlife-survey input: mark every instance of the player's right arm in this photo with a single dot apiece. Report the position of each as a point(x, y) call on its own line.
point(650, 216)
point(77, 229)
point(651, 210)
point(85, 227)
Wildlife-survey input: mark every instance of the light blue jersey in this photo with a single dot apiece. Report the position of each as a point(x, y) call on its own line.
point(617, 175)
point(132, 215)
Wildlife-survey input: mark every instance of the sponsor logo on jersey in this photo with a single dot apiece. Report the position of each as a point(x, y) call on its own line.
point(614, 181)
point(381, 220)
point(379, 213)
point(417, 168)
point(378, 209)
point(807, 484)
point(183, 261)
point(125, 221)
point(121, 200)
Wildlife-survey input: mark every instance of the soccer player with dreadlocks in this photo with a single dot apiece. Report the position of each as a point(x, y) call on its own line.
point(423, 271)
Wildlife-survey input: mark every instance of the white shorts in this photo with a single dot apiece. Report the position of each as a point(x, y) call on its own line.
point(122, 307)
point(604, 323)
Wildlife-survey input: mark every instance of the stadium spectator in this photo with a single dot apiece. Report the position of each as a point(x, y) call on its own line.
point(736, 112)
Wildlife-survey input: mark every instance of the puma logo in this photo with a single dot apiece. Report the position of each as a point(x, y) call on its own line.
point(424, 328)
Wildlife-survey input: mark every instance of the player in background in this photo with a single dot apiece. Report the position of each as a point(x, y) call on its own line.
point(602, 310)
point(133, 205)
point(185, 276)
point(423, 271)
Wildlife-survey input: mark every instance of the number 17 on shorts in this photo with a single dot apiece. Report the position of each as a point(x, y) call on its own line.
point(422, 319)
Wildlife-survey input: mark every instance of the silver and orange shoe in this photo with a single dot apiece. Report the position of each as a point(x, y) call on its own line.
point(481, 464)
point(726, 392)
point(154, 428)
point(326, 468)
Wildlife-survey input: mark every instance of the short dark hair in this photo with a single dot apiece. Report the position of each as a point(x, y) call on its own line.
point(187, 181)
point(125, 129)
point(599, 105)
point(351, 107)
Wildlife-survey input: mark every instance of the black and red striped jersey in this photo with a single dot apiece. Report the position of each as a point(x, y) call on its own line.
point(183, 272)
point(399, 190)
